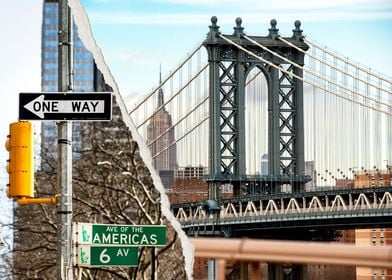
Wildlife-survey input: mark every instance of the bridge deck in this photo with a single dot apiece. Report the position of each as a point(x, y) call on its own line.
point(321, 210)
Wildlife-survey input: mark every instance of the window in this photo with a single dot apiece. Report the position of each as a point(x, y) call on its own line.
point(50, 44)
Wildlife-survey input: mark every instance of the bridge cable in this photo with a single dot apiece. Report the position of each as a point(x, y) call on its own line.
point(184, 117)
point(320, 77)
point(314, 74)
point(179, 121)
point(171, 74)
point(336, 68)
point(183, 136)
point(171, 97)
point(298, 77)
point(347, 61)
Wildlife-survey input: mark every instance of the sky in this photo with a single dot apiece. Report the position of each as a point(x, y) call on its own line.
point(19, 71)
point(136, 36)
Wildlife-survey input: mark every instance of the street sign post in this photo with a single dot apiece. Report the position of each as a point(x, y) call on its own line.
point(119, 235)
point(65, 106)
point(86, 255)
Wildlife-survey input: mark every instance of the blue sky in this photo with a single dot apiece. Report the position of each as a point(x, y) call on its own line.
point(137, 35)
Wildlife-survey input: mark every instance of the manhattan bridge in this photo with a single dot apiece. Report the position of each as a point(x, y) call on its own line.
point(289, 135)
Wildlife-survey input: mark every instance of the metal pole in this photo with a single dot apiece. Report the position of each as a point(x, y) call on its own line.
point(64, 165)
point(152, 263)
point(211, 269)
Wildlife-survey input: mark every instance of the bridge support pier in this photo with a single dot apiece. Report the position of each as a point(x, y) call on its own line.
point(286, 272)
point(214, 191)
point(275, 271)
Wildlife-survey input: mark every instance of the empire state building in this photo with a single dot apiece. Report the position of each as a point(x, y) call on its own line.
point(160, 139)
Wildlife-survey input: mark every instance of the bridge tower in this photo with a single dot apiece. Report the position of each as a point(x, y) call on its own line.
point(229, 66)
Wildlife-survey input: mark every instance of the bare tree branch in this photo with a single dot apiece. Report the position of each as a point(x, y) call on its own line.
point(111, 185)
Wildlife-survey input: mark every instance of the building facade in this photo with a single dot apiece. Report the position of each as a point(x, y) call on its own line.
point(311, 171)
point(374, 236)
point(323, 271)
point(160, 140)
point(85, 76)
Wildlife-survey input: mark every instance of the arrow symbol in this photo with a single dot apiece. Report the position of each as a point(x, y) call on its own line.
point(39, 106)
point(30, 106)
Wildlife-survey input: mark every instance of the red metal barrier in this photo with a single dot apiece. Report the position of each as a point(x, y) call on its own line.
point(252, 250)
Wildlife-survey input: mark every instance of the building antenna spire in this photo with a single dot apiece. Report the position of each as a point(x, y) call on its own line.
point(160, 74)
point(161, 102)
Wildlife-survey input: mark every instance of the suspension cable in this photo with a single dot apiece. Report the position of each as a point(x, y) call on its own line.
point(298, 77)
point(336, 68)
point(347, 61)
point(179, 121)
point(316, 75)
point(171, 74)
point(173, 96)
point(183, 136)
point(253, 78)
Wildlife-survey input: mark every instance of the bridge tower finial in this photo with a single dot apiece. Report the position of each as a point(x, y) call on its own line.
point(297, 32)
point(273, 31)
point(238, 29)
point(214, 29)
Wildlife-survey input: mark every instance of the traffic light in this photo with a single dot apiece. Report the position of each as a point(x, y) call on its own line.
point(20, 166)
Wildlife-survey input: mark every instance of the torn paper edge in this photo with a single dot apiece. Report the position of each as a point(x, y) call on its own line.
point(85, 34)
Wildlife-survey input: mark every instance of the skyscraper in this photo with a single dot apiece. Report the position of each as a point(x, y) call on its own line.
point(84, 70)
point(264, 164)
point(160, 138)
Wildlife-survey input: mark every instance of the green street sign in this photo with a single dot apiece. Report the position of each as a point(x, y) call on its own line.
point(106, 256)
point(119, 235)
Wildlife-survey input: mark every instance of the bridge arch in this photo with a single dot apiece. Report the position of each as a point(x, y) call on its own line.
point(257, 94)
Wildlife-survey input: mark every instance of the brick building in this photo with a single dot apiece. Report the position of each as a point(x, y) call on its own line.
point(375, 236)
point(327, 272)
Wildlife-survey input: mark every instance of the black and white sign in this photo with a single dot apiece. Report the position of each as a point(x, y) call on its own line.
point(65, 106)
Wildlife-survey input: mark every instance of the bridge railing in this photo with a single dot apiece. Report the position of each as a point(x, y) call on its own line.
point(367, 217)
point(322, 191)
point(257, 251)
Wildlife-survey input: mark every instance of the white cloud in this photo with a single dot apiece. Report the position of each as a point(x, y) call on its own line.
point(196, 12)
point(285, 4)
point(146, 19)
point(251, 17)
point(132, 57)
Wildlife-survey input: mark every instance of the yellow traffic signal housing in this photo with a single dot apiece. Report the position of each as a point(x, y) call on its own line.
point(20, 166)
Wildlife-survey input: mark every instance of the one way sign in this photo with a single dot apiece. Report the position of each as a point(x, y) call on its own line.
point(65, 106)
